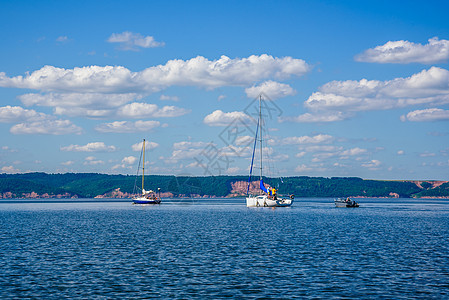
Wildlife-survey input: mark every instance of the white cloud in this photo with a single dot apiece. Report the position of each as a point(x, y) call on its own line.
point(96, 105)
point(183, 154)
point(10, 170)
point(171, 98)
point(127, 126)
point(220, 118)
point(189, 150)
point(273, 89)
point(400, 152)
point(427, 154)
point(198, 71)
point(32, 122)
point(49, 126)
point(319, 138)
point(244, 140)
point(148, 146)
point(145, 110)
point(92, 161)
point(303, 168)
point(404, 52)
point(319, 117)
point(372, 165)
point(425, 115)
point(338, 100)
point(189, 145)
point(137, 110)
point(13, 114)
point(321, 148)
point(127, 163)
point(68, 163)
point(300, 154)
point(80, 104)
point(134, 41)
point(62, 39)
point(353, 152)
point(129, 160)
point(90, 147)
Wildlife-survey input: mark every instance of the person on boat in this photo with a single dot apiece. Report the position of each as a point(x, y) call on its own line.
point(273, 191)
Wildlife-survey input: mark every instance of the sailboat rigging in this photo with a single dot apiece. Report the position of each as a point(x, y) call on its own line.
point(268, 197)
point(147, 197)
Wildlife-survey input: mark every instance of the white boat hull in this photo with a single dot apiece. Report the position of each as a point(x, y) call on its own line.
point(264, 201)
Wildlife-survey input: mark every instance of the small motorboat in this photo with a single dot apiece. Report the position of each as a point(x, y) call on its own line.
point(345, 202)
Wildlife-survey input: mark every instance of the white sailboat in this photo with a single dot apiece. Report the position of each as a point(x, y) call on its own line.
point(266, 197)
point(147, 197)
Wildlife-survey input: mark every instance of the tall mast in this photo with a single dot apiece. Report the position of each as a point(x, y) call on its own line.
point(260, 130)
point(143, 166)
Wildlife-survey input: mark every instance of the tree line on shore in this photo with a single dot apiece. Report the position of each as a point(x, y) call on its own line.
point(90, 185)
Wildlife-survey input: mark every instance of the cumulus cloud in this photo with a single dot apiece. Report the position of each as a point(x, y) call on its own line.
point(127, 126)
point(312, 118)
point(303, 168)
point(317, 139)
point(9, 170)
point(189, 150)
point(189, 145)
point(145, 110)
point(98, 105)
point(425, 115)
point(62, 39)
point(90, 147)
point(148, 146)
point(92, 161)
point(171, 98)
point(338, 100)
point(129, 160)
point(373, 164)
point(13, 114)
point(79, 104)
point(48, 126)
point(220, 118)
point(198, 71)
point(127, 163)
point(133, 41)
point(32, 122)
point(244, 140)
point(273, 89)
point(353, 152)
point(404, 52)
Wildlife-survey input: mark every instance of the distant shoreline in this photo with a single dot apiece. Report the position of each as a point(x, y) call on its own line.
point(94, 185)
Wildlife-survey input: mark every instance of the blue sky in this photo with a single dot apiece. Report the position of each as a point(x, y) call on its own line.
point(355, 88)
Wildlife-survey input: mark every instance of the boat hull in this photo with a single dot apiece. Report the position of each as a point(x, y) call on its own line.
point(146, 201)
point(345, 203)
point(264, 201)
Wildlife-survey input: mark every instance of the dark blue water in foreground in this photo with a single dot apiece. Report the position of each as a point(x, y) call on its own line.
point(217, 249)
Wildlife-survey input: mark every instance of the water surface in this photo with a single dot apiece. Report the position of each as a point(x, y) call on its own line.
point(218, 248)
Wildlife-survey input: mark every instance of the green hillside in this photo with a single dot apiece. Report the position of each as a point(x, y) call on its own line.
point(88, 185)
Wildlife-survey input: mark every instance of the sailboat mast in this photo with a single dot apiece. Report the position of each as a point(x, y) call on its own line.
point(260, 130)
point(143, 166)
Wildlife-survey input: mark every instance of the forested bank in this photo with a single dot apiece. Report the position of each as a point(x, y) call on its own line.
point(90, 185)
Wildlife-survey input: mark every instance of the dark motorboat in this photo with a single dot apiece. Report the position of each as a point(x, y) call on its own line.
point(345, 202)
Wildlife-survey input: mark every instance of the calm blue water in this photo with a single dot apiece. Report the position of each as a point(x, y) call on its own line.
point(220, 248)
